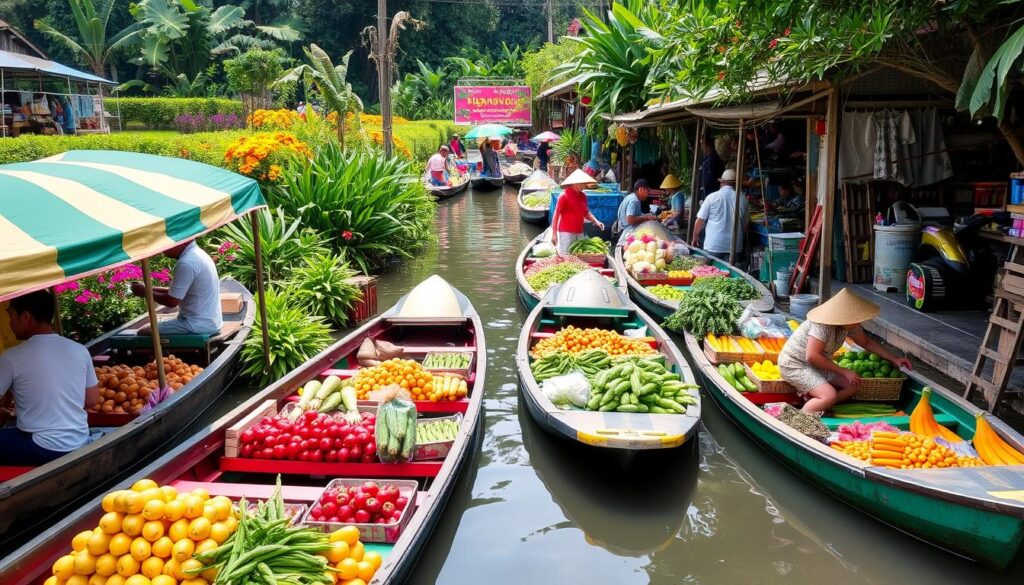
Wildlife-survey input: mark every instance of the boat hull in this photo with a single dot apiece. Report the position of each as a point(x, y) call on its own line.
point(533, 216)
point(515, 180)
point(487, 183)
point(34, 499)
point(446, 192)
point(992, 535)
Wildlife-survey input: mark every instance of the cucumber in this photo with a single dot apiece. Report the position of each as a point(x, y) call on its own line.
point(331, 402)
point(628, 408)
point(308, 392)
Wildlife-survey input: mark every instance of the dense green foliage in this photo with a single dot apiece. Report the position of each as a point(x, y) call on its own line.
point(322, 284)
point(295, 337)
point(159, 112)
point(539, 65)
point(204, 147)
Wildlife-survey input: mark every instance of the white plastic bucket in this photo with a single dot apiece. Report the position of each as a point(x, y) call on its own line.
point(783, 273)
point(782, 287)
point(800, 304)
point(894, 250)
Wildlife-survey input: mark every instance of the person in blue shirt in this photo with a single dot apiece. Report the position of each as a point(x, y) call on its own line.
point(492, 166)
point(677, 201)
point(631, 212)
point(711, 168)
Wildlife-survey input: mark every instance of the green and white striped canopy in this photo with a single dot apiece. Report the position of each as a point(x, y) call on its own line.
point(83, 211)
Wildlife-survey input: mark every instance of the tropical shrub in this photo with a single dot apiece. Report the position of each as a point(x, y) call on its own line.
point(372, 208)
point(280, 119)
point(160, 112)
point(323, 285)
point(283, 246)
point(261, 155)
point(570, 144)
point(295, 336)
point(192, 123)
point(93, 305)
point(204, 147)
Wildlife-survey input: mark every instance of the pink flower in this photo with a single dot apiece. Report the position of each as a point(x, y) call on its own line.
point(86, 296)
point(346, 235)
point(787, 32)
point(229, 258)
point(66, 287)
point(227, 247)
point(773, 43)
point(162, 276)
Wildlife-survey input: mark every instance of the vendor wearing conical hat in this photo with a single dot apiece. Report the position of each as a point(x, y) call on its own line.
point(571, 211)
point(677, 201)
point(806, 359)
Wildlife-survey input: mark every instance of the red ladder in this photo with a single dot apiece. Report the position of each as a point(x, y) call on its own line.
point(808, 249)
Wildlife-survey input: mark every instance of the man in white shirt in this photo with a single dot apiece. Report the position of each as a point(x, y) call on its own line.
point(194, 290)
point(716, 215)
point(52, 380)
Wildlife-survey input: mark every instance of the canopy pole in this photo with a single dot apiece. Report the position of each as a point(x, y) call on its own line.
point(764, 204)
point(57, 326)
point(260, 291)
point(698, 156)
point(739, 193)
point(154, 327)
point(829, 194)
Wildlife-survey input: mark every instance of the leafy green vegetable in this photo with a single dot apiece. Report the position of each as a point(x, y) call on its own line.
point(704, 311)
point(556, 274)
point(536, 200)
point(686, 262)
point(737, 289)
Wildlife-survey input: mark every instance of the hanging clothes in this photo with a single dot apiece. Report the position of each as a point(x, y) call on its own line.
point(893, 130)
point(856, 147)
point(926, 156)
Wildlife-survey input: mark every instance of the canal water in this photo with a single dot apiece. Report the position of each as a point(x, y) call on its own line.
point(533, 509)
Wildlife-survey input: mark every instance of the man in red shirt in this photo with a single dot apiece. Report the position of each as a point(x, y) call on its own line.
point(571, 211)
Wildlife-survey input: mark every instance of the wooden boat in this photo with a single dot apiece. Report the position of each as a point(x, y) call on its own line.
point(530, 297)
point(977, 513)
point(537, 183)
point(432, 317)
point(513, 179)
point(662, 308)
point(32, 497)
point(486, 183)
point(534, 215)
point(590, 300)
point(440, 192)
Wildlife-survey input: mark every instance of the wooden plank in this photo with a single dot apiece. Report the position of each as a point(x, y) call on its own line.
point(1013, 284)
point(832, 145)
point(274, 466)
point(1005, 323)
point(992, 355)
point(231, 434)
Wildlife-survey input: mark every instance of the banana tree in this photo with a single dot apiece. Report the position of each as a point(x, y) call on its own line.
point(93, 46)
point(330, 82)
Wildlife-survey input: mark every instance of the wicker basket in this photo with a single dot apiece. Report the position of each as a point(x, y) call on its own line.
point(722, 357)
point(651, 278)
point(879, 389)
point(593, 259)
point(768, 386)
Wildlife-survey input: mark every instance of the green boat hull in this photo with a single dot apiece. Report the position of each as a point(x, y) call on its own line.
point(990, 535)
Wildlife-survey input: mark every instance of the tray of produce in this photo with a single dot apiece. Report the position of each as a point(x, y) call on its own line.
point(880, 380)
point(435, 436)
point(666, 292)
point(380, 510)
point(448, 361)
point(736, 375)
point(640, 385)
point(297, 435)
point(590, 250)
point(767, 378)
point(293, 511)
point(680, 278)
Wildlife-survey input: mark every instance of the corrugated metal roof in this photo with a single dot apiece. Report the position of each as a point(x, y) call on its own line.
point(564, 87)
point(19, 62)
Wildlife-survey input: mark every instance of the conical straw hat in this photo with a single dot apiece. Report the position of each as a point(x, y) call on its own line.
point(845, 308)
point(579, 177)
point(671, 182)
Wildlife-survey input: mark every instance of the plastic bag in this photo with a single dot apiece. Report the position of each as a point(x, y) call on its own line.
point(544, 250)
point(754, 324)
point(638, 333)
point(572, 389)
point(680, 249)
point(395, 430)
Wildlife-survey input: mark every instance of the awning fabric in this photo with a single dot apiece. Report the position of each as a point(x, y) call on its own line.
point(84, 211)
point(19, 62)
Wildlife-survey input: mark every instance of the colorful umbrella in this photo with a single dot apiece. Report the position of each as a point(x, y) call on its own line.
point(487, 130)
point(84, 211)
point(546, 137)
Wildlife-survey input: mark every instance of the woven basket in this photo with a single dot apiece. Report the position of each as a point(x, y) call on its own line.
point(722, 357)
point(768, 386)
point(879, 389)
point(592, 258)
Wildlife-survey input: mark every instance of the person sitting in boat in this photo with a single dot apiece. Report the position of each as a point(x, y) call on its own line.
point(492, 166)
point(678, 202)
point(543, 155)
point(806, 358)
point(571, 211)
point(437, 166)
point(630, 212)
point(52, 380)
point(458, 149)
point(194, 290)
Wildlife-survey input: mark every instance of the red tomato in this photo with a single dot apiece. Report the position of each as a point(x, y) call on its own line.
point(246, 450)
point(362, 516)
point(387, 509)
point(329, 508)
point(332, 456)
point(370, 448)
point(401, 503)
point(346, 511)
point(280, 451)
point(370, 488)
point(248, 436)
point(355, 452)
point(338, 443)
point(316, 455)
point(316, 511)
point(325, 444)
point(343, 455)
point(373, 505)
point(359, 502)
point(367, 459)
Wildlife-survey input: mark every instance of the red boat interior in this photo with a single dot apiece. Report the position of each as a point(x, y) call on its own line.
point(604, 267)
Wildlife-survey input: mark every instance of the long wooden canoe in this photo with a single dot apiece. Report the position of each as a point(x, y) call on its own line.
point(31, 498)
point(514, 179)
point(486, 183)
point(530, 297)
point(977, 513)
point(420, 324)
point(537, 182)
point(590, 300)
point(662, 308)
point(440, 192)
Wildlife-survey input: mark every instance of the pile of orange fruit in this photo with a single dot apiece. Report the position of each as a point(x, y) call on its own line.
point(147, 536)
point(124, 389)
point(575, 340)
point(409, 374)
point(354, 564)
point(856, 449)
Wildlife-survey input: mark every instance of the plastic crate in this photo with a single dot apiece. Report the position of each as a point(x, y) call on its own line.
point(604, 206)
point(436, 449)
point(366, 307)
point(387, 533)
point(786, 242)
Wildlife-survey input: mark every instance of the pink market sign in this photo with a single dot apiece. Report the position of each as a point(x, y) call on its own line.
point(509, 105)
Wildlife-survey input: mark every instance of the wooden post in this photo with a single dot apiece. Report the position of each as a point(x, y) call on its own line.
point(764, 203)
point(154, 324)
point(698, 155)
point(56, 312)
point(739, 193)
point(828, 205)
point(260, 291)
point(384, 75)
point(551, 22)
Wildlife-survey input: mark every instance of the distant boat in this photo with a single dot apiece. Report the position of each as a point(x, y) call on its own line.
point(444, 192)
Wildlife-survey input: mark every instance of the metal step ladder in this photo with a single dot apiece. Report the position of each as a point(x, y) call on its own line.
point(1002, 342)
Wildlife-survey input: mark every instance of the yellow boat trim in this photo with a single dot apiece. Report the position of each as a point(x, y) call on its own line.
point(601, 437)
point(591, 439)
point(1009, 495)
point(32, 260)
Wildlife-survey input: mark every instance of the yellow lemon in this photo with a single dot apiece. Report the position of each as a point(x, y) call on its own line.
point(97, 580)
point(366, 571)
point(153, 530)
point(152, 567)
point(349, 534)
point(141, 550)
point(111, 522)
point(80, 540)
point(137, 580)
point(199, 529)
point(132, 525)
point(209, 574)
point(205, 546)
point(154, 509)
point(64, 567)
point(133, 503)
point(210, 512)
point(164, 580)
point(231, 523)
point(51, 580)
point(356, 551)
point(374, 558)
point(194, 581)
point(183, 549)
point(120, 544)
point(144, 484)
point(193, 506)
point(189, 566)
point(98, 543)
point(348, 569)
point(178, 530)
point(223, 505)
point(85, 563)
point(106, 565)
point(201, 493)
point(115, 579)
point(77, 580)
point(172, 568)
point(127, 566)
point(152, 494)
point(169, 493)
point(219, 532)
point(162, 547)
point(174, 510)
point(337, 552)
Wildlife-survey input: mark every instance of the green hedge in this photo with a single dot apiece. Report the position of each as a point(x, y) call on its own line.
point(424, 136)
point(204, 147)
point(159, 112)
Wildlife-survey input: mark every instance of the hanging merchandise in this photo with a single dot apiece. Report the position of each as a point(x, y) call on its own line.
point(622, 135)
point(892, 131)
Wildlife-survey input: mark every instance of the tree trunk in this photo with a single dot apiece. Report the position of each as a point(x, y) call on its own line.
point(341, 130)
point(981, 52)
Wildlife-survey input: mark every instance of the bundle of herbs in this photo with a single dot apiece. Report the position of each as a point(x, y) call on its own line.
point(737, 289)
point(703, 311)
